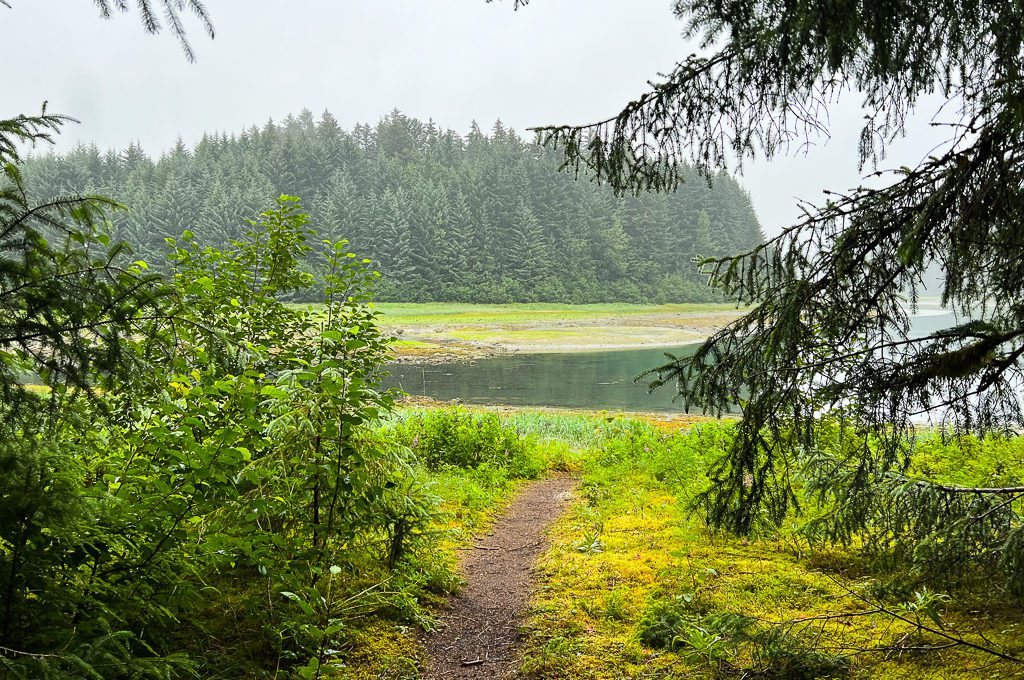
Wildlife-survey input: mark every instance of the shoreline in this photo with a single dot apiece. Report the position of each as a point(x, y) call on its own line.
point(662, 419)
point(468, 353)
point(445, 337)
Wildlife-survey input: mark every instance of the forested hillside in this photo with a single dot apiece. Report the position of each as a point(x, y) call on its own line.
point(445, 217)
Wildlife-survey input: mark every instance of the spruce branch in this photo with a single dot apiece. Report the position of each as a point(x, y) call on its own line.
point(171, 10)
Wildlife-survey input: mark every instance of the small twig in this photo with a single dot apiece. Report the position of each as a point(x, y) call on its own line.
point(528, 545)
point(18, 652)
point(957, 638)
point(821, 617)
point(478, 662)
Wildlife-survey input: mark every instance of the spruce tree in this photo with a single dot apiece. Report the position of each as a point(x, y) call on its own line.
point(343, 175)
point(832, 295)
point(70, 299)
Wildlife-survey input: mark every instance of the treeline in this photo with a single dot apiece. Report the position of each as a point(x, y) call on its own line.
point(444, 217)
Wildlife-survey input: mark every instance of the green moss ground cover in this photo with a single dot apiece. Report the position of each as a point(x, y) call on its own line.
point(635, 586)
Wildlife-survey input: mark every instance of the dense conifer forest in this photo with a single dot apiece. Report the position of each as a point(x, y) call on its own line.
point(483, 217)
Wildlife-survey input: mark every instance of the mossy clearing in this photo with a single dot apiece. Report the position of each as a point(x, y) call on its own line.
point(635, 586)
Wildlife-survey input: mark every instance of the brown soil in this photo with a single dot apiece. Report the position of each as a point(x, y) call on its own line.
point(445, 353)
point(480, 630)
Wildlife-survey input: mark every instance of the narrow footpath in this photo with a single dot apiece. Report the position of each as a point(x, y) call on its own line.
point(479, 633)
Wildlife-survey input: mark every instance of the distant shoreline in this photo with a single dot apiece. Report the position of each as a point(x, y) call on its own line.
point(438, 333)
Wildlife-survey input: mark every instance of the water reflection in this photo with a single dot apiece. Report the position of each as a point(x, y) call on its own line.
point(591, 380)
point(586, 380)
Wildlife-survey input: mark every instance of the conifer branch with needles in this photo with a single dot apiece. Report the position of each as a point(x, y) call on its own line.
point(828, 344)
point(150, 12)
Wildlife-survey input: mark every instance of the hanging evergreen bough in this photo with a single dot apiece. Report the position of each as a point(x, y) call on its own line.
point(70, 297)
point(150, 12)
point(833, 294)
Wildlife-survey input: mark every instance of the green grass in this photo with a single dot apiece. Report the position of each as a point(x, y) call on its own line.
point(464, 329)
point(580, 431)
point(635, 586)
point(582, 335)
point(431, 313)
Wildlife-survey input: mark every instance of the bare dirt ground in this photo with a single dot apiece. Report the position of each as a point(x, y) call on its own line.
point(480, 631)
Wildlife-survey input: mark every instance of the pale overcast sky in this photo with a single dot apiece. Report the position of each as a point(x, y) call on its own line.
point(555, 61)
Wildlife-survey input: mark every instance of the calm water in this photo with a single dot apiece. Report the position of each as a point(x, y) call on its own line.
point(591, 380)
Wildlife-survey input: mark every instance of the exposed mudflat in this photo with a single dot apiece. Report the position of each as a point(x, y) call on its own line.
point(447, 342)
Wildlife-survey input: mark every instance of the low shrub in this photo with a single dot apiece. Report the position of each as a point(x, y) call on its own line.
point(734, 644)
point(460, 438)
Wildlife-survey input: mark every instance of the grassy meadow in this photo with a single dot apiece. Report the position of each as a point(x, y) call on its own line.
point(635, 586)
point(429, 313)
point(459, 331)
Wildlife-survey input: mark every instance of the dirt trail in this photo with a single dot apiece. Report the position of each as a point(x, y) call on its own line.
point(481, 628)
